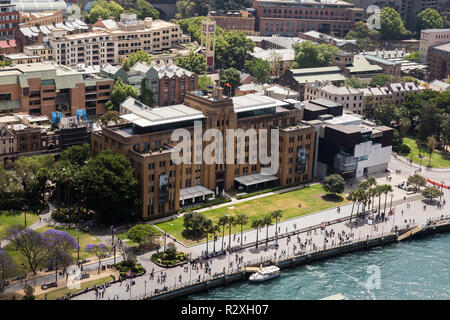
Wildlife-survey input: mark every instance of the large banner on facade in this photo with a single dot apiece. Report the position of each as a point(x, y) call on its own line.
point(163, 187)
point(301, 161)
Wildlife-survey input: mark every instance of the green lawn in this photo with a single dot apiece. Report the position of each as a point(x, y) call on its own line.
point(438, 159)
point(58, 293)
point(8, 219)
point(311, 198)
point(85, 238)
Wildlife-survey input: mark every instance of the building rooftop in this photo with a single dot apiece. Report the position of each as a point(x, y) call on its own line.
point(145, 116)
point(443, 47)
point(273, 54)
point(360, 64)
point(252, 102)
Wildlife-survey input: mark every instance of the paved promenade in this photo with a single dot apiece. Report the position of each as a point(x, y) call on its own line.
point(409, 212)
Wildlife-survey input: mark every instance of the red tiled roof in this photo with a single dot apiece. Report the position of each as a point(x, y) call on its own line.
point(4, 44)
point(12, 43)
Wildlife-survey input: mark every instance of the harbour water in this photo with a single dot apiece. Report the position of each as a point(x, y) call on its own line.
point(418, 269)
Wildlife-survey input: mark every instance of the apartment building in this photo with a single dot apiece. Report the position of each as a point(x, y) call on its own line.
point(9, 18)
point(408, 9)
point(110, 41)
point(430, 38)
point(165, 186)
point(46, 52)
point(439, 61)
point(391, 93)
point(8, 144)
point(290, 17)
point(235, 20)
point(352, 99)
point(168, 82)
point(40, 89)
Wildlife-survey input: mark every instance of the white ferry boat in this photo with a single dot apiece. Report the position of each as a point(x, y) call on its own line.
point(265, 273)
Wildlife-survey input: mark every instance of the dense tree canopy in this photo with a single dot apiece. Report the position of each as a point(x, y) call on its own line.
point(429, 19)
point(111, 187)
point(105, 9)
point(231, 77)
point(121, 92)
point(310, 55)
point(135, 57)
point(194, 62)
point(392, 25)
point(231, 47)
point(334, 183)
point(258, 68)
point(380, 80)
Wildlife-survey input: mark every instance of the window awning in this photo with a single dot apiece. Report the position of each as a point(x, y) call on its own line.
point(194, 192)
point(253, 179)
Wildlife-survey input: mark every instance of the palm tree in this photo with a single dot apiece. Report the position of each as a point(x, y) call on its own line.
point(379, 192)
point(242, 219)
point(256, 224)
point(386, 189)
point(223, 221)
point(231, 222)
point(216, 229)
point(372, 183)
point(277, 214)
point(208, 228)
point(267, 220)
point(352, 196)
point(357, 196)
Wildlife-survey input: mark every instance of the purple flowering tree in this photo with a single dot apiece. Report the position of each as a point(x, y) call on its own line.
point(100, 251)
point(62, 244)
point(31, 244)
point(8, 270)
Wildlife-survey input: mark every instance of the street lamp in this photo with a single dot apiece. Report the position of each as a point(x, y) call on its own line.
point(25, 208)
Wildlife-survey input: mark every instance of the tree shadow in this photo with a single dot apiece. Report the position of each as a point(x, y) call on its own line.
point(332, 198)
point(193, 236)
point(431, 202)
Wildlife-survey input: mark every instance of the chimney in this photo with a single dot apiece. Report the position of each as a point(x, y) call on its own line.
point(219, 93)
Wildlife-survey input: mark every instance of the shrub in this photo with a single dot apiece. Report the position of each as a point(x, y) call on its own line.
point(405, 149)
point(70, 216)
point(129, 265)
point(13, 204)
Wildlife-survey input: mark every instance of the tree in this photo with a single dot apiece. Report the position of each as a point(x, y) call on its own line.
point(111, 186)
point(135, 57)
point(417, 181)
point(145, 10)
point(232, 49)
point(223, 221)
point(232, 77)
point(26, 171)
point(309, 55)
point(171, 251)
point(429, 121)
point(147, 95)
point(231, 222)
point(431, 193)
point(431, 145)
point(99, 250)
point(143, 233)
point(205, 83)
point(256, 224)
point(208, 227)
point(31, 244)
point(184, 8)
point(445, 129)
point(76, 155)
point(414, 56)
point(29, 293)
point(267, 221)
point(242, 219)
point(194, 62)
point(355, 82)
point(8, 270)
point(105, 9)
point(386, 189)
point(366, 38)
point(61, 244)
point(380, 80)
point(334, 184)
point(277, 214)
point(258, 68)
point(194, 222)
point(121, 92)
point(429, 19)
point(392, 26)
point(110, 116)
